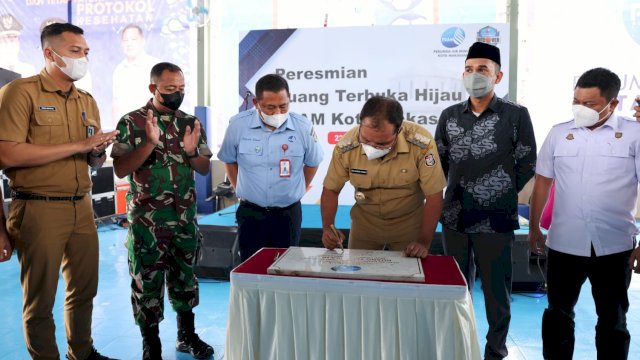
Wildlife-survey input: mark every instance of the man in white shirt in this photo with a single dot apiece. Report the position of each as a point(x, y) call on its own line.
point(595, 163)
point(10, 30)
point(131, 76)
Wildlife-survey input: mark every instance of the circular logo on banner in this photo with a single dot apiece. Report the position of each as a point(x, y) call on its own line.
point(452, 37)
point(631, 17)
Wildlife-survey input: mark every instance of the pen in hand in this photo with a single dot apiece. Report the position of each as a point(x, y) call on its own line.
point(337, 235)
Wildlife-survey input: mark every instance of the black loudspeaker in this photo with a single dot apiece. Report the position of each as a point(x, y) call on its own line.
point(102, 180)
point(104, 205)
point(218, 253)
point(529, 270)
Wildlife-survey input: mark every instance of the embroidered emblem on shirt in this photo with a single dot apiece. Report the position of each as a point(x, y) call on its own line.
point(429, 160)
point(345, 145)
point(314, 135)
point(570, 137)
point(618, 135)
point(47, 108)
point(359, 171)
point(291, 138)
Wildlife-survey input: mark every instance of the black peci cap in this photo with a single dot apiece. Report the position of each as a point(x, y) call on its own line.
point(480, 50)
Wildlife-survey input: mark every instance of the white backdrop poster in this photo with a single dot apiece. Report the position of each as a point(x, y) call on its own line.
point(333, 71)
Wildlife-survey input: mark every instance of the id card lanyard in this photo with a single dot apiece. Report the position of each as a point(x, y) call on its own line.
point(90, 129)
point(285, 164)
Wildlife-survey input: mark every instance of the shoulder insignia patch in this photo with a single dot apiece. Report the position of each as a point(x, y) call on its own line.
point(418, 140)
point(345, 145)
point(429, 160)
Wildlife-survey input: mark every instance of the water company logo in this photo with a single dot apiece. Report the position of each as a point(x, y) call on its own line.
point(452, 37)
point(631, 16)
point(488, 35)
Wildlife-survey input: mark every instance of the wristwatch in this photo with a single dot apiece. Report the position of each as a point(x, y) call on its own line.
point(195, 154)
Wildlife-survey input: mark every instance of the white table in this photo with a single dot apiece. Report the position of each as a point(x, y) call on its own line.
point(287, 317)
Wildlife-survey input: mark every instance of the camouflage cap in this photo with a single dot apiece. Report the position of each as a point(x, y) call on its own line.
point(9, 25)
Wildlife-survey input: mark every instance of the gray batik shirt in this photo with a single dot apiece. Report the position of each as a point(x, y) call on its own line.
point(487, 160)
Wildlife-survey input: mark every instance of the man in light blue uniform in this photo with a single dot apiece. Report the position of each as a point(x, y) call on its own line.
point(270, 155)
point(595, 163)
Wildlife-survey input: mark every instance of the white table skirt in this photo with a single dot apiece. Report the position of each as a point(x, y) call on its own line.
point(281, 318)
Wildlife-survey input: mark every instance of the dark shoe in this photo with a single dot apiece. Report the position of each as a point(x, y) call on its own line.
point(198, 348)
point(95, 355)
point(188, 341)
point(151, 345)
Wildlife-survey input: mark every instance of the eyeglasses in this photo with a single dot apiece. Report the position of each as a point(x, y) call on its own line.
point(380, 146)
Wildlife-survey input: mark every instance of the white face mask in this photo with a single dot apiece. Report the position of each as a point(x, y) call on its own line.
point(477, 85)
point(275, 120)
point(373, 153)
point(585, 117)
point(76, 69)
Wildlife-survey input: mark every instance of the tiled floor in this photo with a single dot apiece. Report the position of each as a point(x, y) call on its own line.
point(116, 335)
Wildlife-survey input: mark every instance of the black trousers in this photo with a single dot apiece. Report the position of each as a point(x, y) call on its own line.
point(492, 253)
point(260, 227)
point(610, 277)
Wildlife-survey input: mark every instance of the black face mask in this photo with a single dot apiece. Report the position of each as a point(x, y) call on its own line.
point(172, 100)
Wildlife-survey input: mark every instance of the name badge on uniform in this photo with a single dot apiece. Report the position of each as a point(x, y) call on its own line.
point(285, 164)
point(359, 171)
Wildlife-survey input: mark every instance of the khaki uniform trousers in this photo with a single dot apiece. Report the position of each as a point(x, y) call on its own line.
point(370, 232)
point(51, 236)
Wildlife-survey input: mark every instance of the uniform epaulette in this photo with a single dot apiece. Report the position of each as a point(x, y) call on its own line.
point(30, 79)
point(562, 123)
point(85, 92)
point(418, 140)
point(345, 145)
point(624, 118)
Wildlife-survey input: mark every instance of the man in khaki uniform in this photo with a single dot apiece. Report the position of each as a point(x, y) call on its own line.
point(49, 137)
point(393, 166)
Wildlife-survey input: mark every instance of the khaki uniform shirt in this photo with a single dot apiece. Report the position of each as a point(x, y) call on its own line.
point(390, 191)
point(34, 110)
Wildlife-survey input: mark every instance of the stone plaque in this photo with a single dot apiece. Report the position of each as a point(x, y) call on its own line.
point(348, 263)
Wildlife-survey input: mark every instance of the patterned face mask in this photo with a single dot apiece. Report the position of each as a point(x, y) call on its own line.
point(477, 85)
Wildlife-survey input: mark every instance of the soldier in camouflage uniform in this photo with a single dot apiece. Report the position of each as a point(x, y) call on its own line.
point(393, 166)
point(158, 148)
